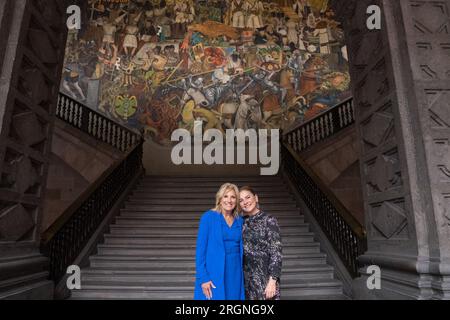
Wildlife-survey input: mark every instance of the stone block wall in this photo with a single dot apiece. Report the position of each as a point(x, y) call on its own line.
point(77, 160)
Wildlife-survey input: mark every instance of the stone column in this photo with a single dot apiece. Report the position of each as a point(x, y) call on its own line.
point(401, 86)
point(32, 34)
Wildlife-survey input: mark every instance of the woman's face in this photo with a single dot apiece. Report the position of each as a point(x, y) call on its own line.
point(228, 201)
point(248, 202)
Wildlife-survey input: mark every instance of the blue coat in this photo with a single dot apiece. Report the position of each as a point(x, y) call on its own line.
point(210, 256)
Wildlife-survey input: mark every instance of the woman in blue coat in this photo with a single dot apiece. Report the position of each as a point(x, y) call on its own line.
point(219, 254)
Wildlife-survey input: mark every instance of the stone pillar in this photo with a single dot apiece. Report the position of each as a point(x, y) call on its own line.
point(32, 34)
point(401, 85)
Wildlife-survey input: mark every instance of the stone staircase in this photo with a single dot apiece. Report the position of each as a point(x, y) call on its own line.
point(149, 252)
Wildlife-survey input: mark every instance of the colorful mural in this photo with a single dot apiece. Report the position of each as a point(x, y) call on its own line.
point(161, 65)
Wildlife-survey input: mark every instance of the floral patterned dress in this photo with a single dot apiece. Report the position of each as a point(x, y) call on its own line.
point(262, 255)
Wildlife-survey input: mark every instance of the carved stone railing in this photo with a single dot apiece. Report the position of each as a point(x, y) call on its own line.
point(344, 232)
point(322, 126)
point(95, 124)
point(66, 238)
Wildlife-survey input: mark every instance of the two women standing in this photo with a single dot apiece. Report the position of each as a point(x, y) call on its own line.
point(237, 259)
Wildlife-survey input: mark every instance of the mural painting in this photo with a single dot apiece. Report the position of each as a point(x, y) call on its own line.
point(160, 65)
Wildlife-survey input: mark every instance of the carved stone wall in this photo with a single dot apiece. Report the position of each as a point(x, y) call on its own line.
point(33, 37)
point(401, 84)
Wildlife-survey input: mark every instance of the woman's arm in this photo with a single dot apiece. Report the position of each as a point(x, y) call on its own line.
point(275, 248)
point(274, 257)
point(202, 244)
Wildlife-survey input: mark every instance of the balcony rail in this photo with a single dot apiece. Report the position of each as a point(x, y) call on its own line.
point(345, 233)
point(95, 124)
point(322, 126)
point(65, 239)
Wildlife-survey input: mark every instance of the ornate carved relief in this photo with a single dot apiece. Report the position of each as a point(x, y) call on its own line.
point(430, 20)
point(377, 129)
point(430, 17)
point(373, 87)
point(446, 206)
point(368, 42)
point(384, 173)
point(389, 219)
point(439, 107)
point(28, 128)
point(442, 152)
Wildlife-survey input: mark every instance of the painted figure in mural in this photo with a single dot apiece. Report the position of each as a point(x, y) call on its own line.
point(149, 32)
point(172, 56)
point(273, 37)
point(311, 24)
point(260, 36)
point(292, 31)
point(254, 10)
point(130, 42)
point(165, 23)
point(295, 64)
point(263, 79)
point(184, 14)
point(302, 8)
point(109, 32)
point(71, 81)
point(262, 249)
point(160, 12)
point(237, 13)
point(248, 115)
point(97, 9)
point(234, 64)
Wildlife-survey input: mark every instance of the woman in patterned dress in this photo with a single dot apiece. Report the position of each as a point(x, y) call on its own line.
point(262, 249)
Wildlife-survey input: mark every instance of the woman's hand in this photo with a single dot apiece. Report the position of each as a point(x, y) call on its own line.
point(207, 291)
point(271, 288)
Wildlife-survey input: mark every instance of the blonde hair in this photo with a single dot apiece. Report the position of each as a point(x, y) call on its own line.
point(221, 193)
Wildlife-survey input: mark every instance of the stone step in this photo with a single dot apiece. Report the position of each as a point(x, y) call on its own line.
point(252, 179)
point(162, 251)
point(183, 239)
point(200, 189)
point(291, 295)
point(173, 291)
point(196, 214)
point(198, 208)
point(288, 282)
point(307, 287)
point(144, 221)
point(114, 280)
point(307, 271)
point(96, 292)
point(156, 194)
point(186, 230)
point(188, 262)
point(213, 184)
point(209, 202)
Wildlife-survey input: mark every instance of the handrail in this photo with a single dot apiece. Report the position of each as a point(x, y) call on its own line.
point(322, 126)
point(64, 239)
point(346, 234)
point(95, 124)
